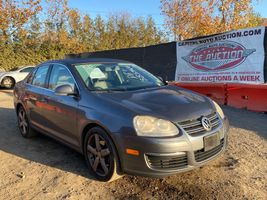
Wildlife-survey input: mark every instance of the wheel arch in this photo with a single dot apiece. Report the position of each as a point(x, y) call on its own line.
point(8, 76)
point(91, 125)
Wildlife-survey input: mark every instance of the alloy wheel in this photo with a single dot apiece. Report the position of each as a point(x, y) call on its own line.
point(99, 155)
point(23, 123)
point(8, 82)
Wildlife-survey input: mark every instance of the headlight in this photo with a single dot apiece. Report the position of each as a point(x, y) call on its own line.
point(154, 127)
point(218, 109)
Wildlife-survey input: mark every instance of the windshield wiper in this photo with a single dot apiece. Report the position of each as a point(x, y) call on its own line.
point(112, 90)
point(143, 88)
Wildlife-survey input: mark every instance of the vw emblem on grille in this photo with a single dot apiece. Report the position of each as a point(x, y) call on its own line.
point(206, 123)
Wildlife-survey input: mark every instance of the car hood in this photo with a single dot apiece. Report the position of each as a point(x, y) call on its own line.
point(168, 102)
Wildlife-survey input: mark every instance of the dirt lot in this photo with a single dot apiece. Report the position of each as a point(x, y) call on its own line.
point(41, 168)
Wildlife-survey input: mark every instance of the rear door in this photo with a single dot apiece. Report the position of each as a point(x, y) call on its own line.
point(34, 92)
point(61, 112)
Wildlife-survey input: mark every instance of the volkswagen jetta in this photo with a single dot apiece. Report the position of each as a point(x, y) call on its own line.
point(122, 118)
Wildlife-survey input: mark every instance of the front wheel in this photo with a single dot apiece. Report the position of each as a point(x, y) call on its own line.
point(100, 155)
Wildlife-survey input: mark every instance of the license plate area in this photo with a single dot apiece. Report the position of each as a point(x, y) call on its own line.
point(211, 141)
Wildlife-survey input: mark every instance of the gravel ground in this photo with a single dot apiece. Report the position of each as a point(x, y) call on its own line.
point(41, 168)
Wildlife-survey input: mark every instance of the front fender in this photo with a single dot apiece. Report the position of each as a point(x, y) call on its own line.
point(112, 123)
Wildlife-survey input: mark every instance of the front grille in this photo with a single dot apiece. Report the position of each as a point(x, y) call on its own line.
point(195, 128)
point(167, 162)
point(201, 155)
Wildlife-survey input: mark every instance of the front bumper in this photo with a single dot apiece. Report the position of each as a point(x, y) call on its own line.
point(160, 157)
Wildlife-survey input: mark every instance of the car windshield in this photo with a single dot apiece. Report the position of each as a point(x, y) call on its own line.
point(116, 76)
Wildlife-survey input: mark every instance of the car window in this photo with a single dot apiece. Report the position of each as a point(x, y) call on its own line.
point(31, 75)
point(40, 76)
point(28, 69)
point(60, 75)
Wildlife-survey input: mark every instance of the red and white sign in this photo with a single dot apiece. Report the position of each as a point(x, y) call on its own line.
point(236, 56)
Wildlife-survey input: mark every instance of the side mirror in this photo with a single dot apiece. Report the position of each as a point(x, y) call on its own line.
point(65, 90)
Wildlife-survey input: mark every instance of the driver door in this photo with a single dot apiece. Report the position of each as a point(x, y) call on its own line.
point(61, 111)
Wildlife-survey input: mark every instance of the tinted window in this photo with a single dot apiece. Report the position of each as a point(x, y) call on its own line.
point(60, 75)
point(28, 69)
point(40, 76)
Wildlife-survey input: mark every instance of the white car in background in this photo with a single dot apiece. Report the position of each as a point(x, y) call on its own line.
point(9, 79)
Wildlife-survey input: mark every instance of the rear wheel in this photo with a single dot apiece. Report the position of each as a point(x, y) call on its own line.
point(100, 155)
point(8, 82)
point(24, 125)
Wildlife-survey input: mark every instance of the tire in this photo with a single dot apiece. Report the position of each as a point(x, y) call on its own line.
point(101, 156)
point(8, 82)
point(23, 123)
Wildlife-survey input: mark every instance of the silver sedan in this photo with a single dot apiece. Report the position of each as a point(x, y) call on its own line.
point(9, 79)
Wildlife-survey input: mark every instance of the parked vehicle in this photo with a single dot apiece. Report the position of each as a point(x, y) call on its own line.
point(9, 79)
point(122, 118)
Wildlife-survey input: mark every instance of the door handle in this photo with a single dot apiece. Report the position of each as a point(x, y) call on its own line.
point(44, 100)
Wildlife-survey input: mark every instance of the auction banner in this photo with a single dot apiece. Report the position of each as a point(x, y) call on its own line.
point(236, 56)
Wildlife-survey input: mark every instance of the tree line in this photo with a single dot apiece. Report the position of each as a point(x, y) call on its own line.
point(194, 18)
point(30, 34)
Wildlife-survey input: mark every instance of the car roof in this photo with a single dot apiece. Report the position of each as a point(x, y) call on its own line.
point(86, 60)
point(26, 66)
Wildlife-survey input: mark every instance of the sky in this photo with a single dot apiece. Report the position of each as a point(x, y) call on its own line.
point(136, 8)
point(261, 8)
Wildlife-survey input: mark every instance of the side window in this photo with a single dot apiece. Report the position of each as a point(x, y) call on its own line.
point(60, 75)
point(31, 75)
point(40, 76)
point(28, 69)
